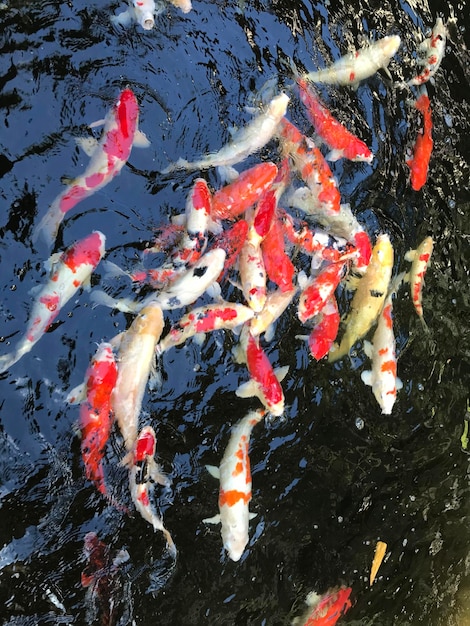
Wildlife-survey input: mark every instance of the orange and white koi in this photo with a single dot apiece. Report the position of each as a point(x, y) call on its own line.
point(264, 383)
point(108, 156)
point(96, 416)
point(341, 142)
point(144, 472)
point(369, 297)
point(383, 375)
point(311, 166)
point(319, 289)
point(358, 65)
point(251, 268)
point(235, 487)
point(225, 315)
point(325, 330)
point(235, 198)
point(244, 142)
point(419, 259)
point(419, 163)
point(432, 50)
point(136, 362)
point(70, 270)
point(325, 610)
point(141, 11)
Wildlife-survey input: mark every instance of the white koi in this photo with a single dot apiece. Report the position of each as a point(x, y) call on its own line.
point(383, 375)
point(136, 362)
point(235, 487)
point(69, 272)
point(245, 142)
point(432, 50)
point(141, 11)
point(358, 65)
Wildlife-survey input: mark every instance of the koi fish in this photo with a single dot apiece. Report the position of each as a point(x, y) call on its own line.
point(184, 5)
point(144, 471)
point(136, 362)
point(318, 290)
point(235, 198)
point(70, 270)
point(103, 579)
point(419, 163)
point(245, 142)
point(226, 315)
point(277, 263)
point(325, 610)
point(419, 259)
point(235, 487)
point(432, 50)
point(380, 550)
point(383, 375)
point(264, 382)
point(252, 270)
point(96, 416)
point(108, 156)
point(358, 65)
point(341, 142)
point(325, 330)
point(141, 11)
point(275, 305)
point(232, 241)
point(369, 297)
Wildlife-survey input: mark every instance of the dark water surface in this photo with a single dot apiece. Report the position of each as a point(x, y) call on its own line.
point(324, 490)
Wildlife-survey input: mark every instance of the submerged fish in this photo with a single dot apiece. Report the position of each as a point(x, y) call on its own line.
point(432, 50)
point(325, 610)
point(419, 163)
point(235, 487)
point(141, 11)
point(108, 156)
point(70, 270)
point(419, 260)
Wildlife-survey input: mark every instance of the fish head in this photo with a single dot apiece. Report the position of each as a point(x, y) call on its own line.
point(235, 530)
point(390, 45)
point(145, 12)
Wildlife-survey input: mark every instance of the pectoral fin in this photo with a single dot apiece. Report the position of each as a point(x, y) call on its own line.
point(213, 471)
point(366, 377)
point(140, 140)
point(87, 144)
point(77, 395)
point(212, 520)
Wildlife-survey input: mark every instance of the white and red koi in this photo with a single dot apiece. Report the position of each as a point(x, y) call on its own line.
point(251, 268)
point(319, 290)
point(369, 297)
point(341, 142)
point(235, 487)
point(325, 610)
point(96, 415)
point(235, 198)
point(419, 259)
point(358, 65)
point(325, 330)
point(419, 163)
point(69, 272)
point(311, 166)
point(225, 315)
point(136, 362)
point(144, 472)
point(141, 11)
point(108, 157)
point(264, 383)
point(383, 375)
point(432, 50)
point(245, 142)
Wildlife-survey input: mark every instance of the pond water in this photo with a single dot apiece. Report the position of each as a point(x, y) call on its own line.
point(332, 476)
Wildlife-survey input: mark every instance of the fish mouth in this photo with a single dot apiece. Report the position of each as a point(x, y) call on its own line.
point(147, 22)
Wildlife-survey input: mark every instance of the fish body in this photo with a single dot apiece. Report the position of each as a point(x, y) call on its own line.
point(319, 290)
point(141, 11)
point(432, 49)
point(325, 610)
point(235, 487)
point(383, 375)
point(108, 157)
point(205, 319)
point(264, 381)
point(69, 272)
point(252, 270)
point(96, 416)
point(144, 472)
point(325, 330)
point(245, 142)
point(279, 268)
point(369, 297)
point(235, 198)
point(419, 259)
point(341, 142)
point(275, 305)
point(419, 163)
point(352, 68)
point(232, 241)
point(311, 166)
point(136, 361)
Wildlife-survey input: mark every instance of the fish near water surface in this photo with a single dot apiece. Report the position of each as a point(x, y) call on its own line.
point(141, 11)
point(325, 610)
point(419, 163)
point(352, 68)
point(235, 487)
point(69, 271)
point(432, 52)
point(419, 260)
point(108, 156)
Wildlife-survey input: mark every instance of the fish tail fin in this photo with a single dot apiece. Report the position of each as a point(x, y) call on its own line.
point(49, 225)
point(111, 270)
point(425, 326)
point(180, 164)
point(126, 305)
point(170, 544)
point(7, 360)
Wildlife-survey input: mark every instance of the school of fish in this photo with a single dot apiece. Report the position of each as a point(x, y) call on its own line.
point(241, 238)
